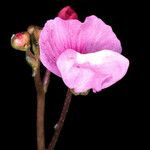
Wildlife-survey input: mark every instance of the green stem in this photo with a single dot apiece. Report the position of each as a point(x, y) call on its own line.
point(60, 123)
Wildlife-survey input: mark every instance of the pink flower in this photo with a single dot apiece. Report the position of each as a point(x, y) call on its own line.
point(67, 13)
point(85, 55)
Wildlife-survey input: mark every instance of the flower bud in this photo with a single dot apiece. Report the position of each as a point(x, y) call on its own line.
point(67, 13)
point(21, 41)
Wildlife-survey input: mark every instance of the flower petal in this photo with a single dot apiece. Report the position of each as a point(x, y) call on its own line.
point(95, 35)
point(55, 38)
point(95, 71)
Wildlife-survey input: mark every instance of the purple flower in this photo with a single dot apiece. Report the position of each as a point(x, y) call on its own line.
point(85, 55)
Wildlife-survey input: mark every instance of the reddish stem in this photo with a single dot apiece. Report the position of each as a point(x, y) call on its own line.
point(40, 110)
point(62, 118)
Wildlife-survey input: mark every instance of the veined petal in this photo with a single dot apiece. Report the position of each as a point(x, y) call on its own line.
point(55, 38)
point(95, 71)
point(95, 35)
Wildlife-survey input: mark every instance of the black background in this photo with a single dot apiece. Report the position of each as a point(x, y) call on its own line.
point(114, 118)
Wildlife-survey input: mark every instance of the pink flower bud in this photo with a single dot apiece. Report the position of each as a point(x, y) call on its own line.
point(21, 41)
point(67, 13)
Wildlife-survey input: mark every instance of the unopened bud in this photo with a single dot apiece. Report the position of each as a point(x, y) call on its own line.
point(67, 13)
point(21, 41)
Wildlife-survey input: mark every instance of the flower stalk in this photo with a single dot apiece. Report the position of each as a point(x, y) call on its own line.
point(59, 125)
point(32, 58)
point(40, 110)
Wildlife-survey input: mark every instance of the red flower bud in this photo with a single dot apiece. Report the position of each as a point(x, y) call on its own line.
point(67, 13)
point(21, 41)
